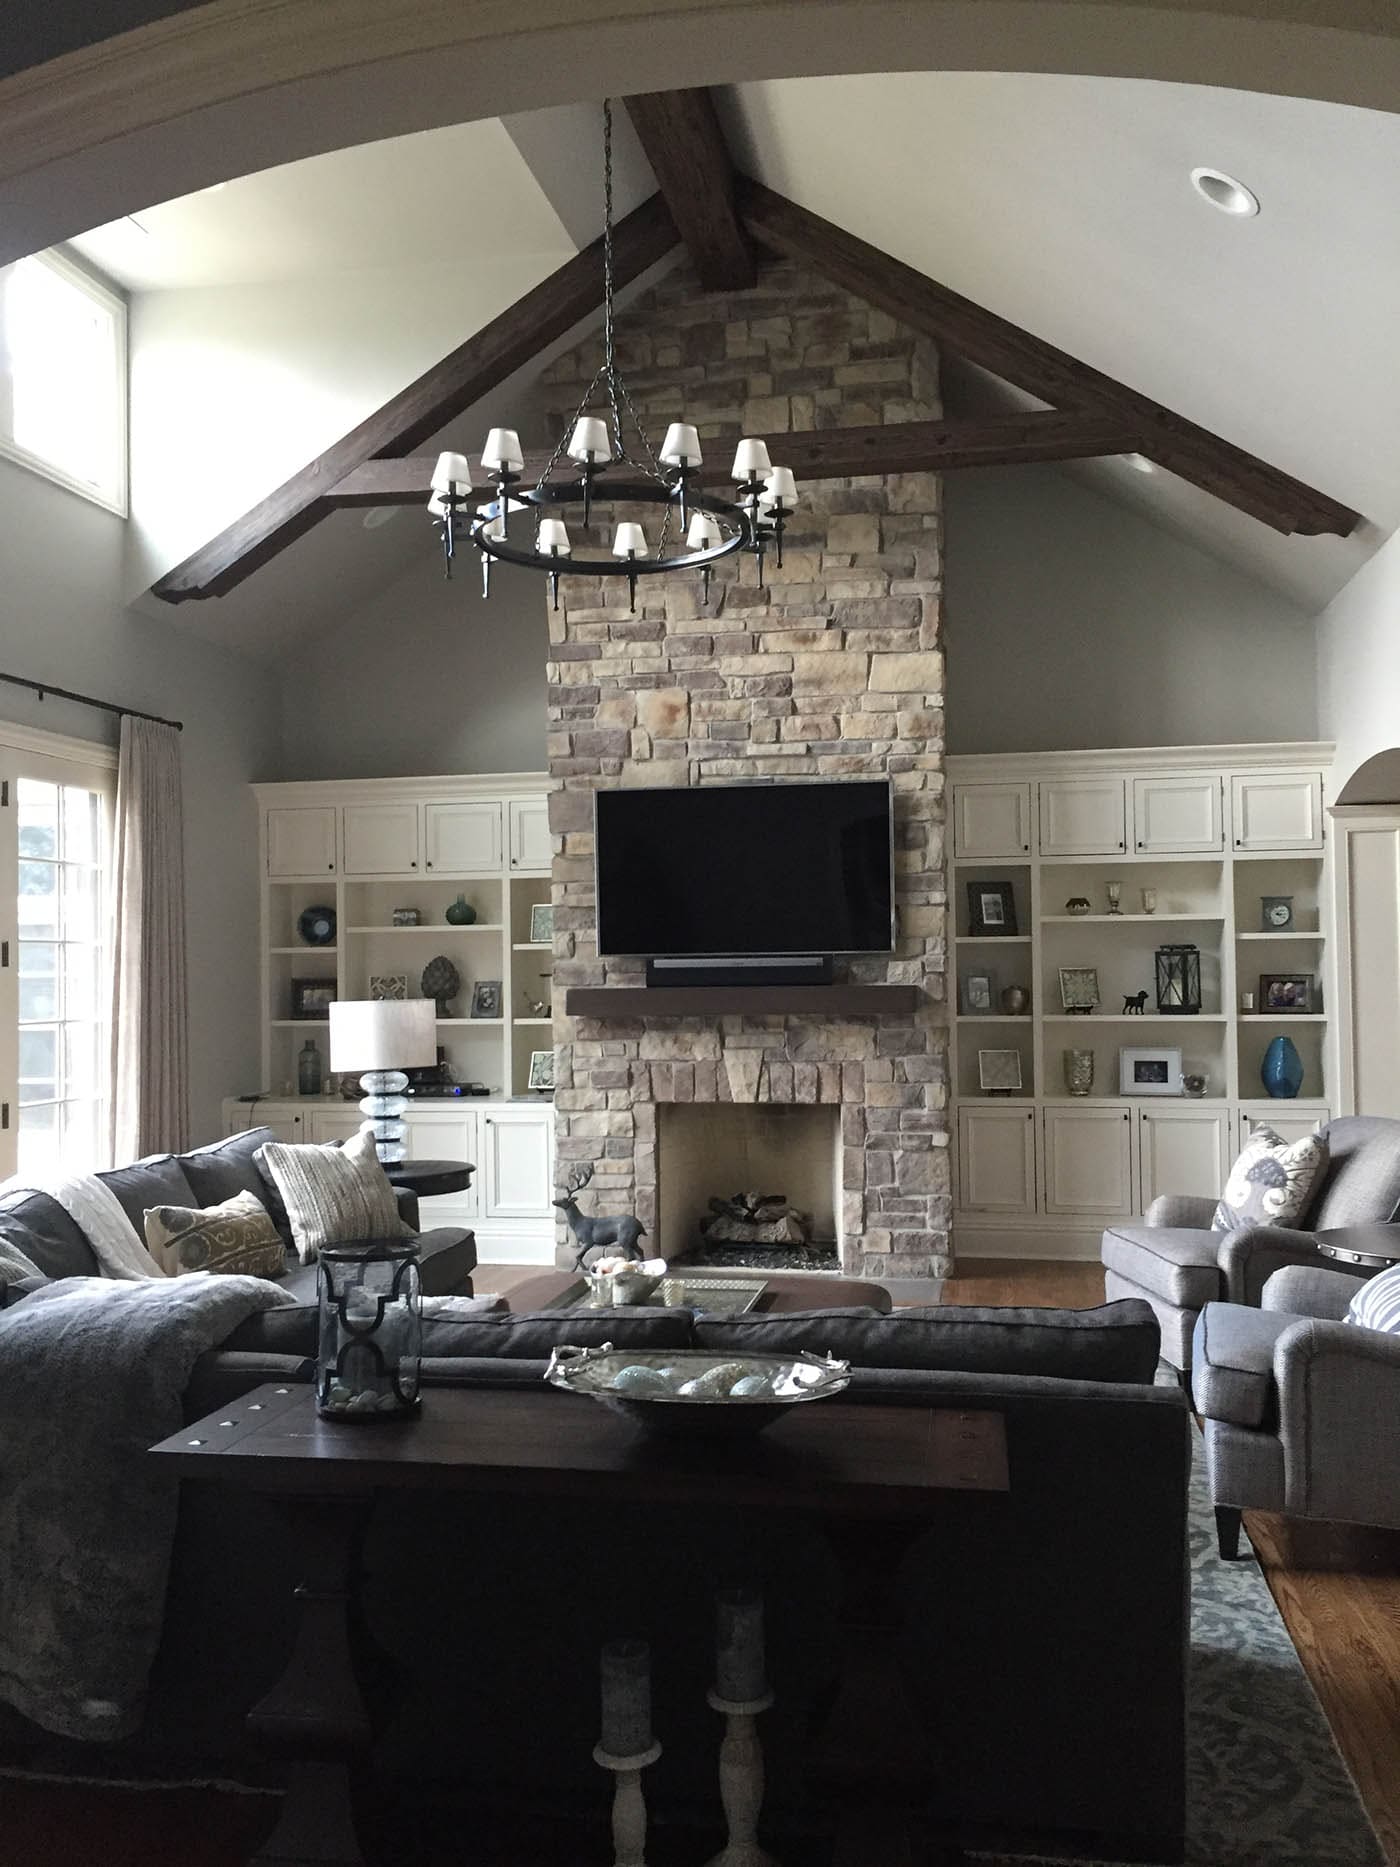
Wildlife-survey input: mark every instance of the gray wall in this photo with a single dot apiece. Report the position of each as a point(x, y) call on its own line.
point(423, 677)
point(1071, 621)
point(61, 620)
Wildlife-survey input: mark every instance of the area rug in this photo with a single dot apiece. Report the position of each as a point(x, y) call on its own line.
point(1265, 1784)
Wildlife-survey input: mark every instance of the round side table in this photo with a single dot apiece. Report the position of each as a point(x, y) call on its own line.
point(1368, 1247)
point(425, 1179)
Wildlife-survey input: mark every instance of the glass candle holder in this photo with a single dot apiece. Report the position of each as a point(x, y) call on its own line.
point(1079, 1071)
point(368, 1358)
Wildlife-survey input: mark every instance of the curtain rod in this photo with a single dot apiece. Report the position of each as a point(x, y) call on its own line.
point(103, 706)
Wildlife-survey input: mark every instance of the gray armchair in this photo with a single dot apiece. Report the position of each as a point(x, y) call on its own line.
point(1174, 1261)
point(1301, 1409)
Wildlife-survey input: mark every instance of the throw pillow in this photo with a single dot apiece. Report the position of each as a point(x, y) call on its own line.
point(236, 1237)
point(1376, 1304)
point(1273, 1182)
point(334, 1195)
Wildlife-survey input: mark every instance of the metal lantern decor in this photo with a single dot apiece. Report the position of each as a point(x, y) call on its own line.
point(371, 1340)
point(1178, 980)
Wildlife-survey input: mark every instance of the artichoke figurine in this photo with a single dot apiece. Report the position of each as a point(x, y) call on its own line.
point(441, 981)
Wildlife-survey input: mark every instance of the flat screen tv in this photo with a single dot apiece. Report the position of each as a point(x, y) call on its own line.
point(746, 869)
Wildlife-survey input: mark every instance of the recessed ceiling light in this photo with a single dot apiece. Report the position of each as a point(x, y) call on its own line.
point(1224, 192)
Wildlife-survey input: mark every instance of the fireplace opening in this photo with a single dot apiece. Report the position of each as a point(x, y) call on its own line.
point(749, 1185)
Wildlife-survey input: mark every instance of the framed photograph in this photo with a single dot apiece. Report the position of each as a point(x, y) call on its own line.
point(312, 998)
point(991, 908)
point(486, 998)
point(1150, 1071)
point(1079, 987)
point(541, 1069)
point(1287, 991)
point(388, 985)
point(999, 1071)
point(979, 991)
point(541, 922)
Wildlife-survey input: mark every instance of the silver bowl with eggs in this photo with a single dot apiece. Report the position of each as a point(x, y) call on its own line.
point(613, 1281)
point(687, 1391)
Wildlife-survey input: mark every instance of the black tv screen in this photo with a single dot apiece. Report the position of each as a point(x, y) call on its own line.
point(746, 869)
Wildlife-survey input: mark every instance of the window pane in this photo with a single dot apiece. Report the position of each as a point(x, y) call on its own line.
point(38, 818)
point(79, 903)
point(80, 1076)
point(78, 1136)
point(38, 1065)
point(79, 981)
point(65, 392)
point(81, 824)
point(38, 907)
point(38, 981)
point(38, 1143)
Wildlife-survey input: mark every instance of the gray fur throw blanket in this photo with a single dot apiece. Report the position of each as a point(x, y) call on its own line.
point(91, 1375)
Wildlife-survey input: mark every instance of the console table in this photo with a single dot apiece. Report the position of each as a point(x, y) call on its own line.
point(871, 1476)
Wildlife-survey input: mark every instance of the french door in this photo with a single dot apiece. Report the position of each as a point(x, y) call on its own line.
point(55, 1050)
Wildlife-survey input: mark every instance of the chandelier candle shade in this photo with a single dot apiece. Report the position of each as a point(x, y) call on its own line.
point(379, 1039)
point(595, 442)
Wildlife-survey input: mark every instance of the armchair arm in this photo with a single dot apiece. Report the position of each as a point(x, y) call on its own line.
point(1339, 1421)
point(1251, 1254)
point(1185, 1210)
point(407, 1203)
point(1311, 1290)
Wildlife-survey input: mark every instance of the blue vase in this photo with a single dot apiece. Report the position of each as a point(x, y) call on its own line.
point(1282, 1069)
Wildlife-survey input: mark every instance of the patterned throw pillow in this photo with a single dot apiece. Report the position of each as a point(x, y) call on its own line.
point(1376, 1304)
point(1273, 1182)
point(234, 1238)
point(334, 1195)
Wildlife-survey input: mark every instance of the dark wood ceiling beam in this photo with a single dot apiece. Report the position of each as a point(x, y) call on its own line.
point(420, 411)
point(681, 136)
point(823, 454)
point(1217, 466)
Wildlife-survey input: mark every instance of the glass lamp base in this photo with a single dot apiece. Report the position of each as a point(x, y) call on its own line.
point(383, 1105)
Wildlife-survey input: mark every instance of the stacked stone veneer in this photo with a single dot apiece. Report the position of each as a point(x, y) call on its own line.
point(832, 668)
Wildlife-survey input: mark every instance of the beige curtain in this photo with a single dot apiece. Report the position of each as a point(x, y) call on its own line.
point(150, 1037)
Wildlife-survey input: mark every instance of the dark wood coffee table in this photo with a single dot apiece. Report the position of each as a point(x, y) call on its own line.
point(872, 1477)
point(782, 1295)
point(1362, 1247)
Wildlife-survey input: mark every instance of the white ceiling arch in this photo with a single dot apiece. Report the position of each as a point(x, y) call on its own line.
point(239, 85)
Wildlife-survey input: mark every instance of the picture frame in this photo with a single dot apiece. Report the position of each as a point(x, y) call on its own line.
point(312, 999)
point(1079, 988)
point(991, 909)
point(999, 1072)
point(486, 998)
point(1149, 1070)
point(979, 991)
point(542, 923)
point(1288, 993)
point(541, 1070)
point(388, 985)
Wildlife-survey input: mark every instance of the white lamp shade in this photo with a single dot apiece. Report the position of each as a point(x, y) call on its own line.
point(703, 532)
point(752, 457)
point(554, 536)
point(437, 505)
point(451, 474)
point(501, 453)
point(589, 440)
point(629, 538)
point(494, 528)
point(383, 1034)
point(782, 484)
point(681, 448)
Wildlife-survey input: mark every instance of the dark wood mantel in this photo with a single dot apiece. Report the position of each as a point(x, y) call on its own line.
point(698, 1001)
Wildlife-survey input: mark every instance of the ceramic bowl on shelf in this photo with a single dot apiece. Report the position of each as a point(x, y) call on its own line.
point(690, 1392)
point(1078, 904)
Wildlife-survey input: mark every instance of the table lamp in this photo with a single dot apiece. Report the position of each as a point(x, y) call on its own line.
point(381, 1038)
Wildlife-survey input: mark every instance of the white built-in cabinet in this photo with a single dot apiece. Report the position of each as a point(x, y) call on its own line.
point(529, 833)
point(300, 840)
point(1207, 832)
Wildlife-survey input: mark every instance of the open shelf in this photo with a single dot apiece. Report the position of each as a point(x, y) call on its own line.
point(305, 949)
point(1177, 1018)
point(994, 1017)
point(431, 927)
point(1161, 919)
point(532, 946)
point(1291, 933)
point(1283, 1018)
point(991, 939)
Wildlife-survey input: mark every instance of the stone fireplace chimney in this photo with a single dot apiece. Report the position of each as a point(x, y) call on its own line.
point(832, 668)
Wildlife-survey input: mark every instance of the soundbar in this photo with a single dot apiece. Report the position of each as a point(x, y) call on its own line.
point(736, 969)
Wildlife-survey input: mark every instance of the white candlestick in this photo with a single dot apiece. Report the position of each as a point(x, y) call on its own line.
point(629, 1809)
point(741, 1782)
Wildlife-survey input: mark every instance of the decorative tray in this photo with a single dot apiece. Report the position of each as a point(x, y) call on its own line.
point(689, 1391)
point(718, 1296)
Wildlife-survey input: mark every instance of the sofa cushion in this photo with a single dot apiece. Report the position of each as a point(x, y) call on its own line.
point(1175, 1263)
point(1273, 1182)
point(158, 1180)
point(1116, 1342)
point(1232, 1363)
point(446, 1260)
point(234, 1238)
point(230, 1166)
point(537, 1333)
point(334, 1195)
point(45, 1233)
point(1362, 1186)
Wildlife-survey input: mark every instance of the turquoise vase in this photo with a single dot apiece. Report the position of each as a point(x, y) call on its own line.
point(461, 913)
point(1282, 1069)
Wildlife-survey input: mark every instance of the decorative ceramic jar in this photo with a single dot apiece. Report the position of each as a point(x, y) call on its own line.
point(371, 1332)
point(461, 913)
point(316, 926)
point(1015, 1000)
point(1282, 1070)
point(1079, 1072)
point(1079, 904)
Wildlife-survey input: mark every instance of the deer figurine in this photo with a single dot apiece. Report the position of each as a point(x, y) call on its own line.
point(621, 1234)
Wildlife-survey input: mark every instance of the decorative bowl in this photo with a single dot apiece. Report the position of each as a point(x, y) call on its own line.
point(691, 1393)
point(633, 1284)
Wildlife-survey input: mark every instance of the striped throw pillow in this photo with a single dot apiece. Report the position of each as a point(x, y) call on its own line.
point(1376, 1304)
point(234, 1238)
point(334, 1195)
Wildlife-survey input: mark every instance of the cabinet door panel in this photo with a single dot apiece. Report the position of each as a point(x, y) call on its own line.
point(996, 1159)
point(1082, 817)
point(992, 820)
point(517, 1146)
point(301, 842)
point(462, 839)
point(1177, 816)
point(1182, 1150)
point(1277, 810)
point(380, 839)
point(1286, 1119)
point(447, 1134)
point(336, 1123)
point(284, 1123)
point(529, 833)
point(1089, 1162)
